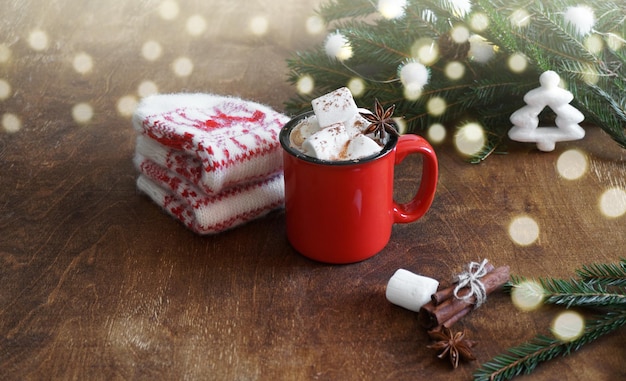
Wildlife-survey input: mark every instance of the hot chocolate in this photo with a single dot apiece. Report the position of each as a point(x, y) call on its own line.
point(336, 131)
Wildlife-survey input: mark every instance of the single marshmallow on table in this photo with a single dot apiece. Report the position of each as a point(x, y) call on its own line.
point(335, 132)
point(409, 290)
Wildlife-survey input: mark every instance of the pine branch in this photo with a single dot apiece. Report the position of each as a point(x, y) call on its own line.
point(610, 274)
point(576, 292)
point(386, 44)
point(524, 358)
point(336, 10)
point(551, 44)
point(600, 286)
point(486, 92)
point(491, 147)
point(613, 123)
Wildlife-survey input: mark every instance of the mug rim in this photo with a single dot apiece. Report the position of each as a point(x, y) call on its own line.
point(293, 122)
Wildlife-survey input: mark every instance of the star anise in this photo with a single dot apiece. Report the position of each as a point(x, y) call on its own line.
point(452, 344)
point(380, 120)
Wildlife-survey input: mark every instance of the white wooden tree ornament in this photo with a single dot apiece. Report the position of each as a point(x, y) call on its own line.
point(549, 94)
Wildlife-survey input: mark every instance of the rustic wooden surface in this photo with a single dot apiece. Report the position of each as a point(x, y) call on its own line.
point(97, 283)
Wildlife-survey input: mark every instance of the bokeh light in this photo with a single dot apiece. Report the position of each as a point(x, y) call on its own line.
point(436, 133)
point(259, 25)
point(82, 112)
point(147, 88)
point(517, 63)
point(412, 91)
point(402, 125)
point(479, 21)
point(469, 138)
point(524, 230)
point(436, 106)
point(38, 40)
point(425, 50)
point(11, 123)
point(391, 9)
point(572, 164)
point(590, 75)
point(315, 25)
point(168, 10)
point(594, 44)
point(527, 295)
point(182, 67)
point(455, 70)
point(151, 50)
point(5, 53)
point(613, 41)
point(126, 105)
point(612, 202)
point(83, 63)
point(196, 25)
point(568, 326)
point(5, 89)
point(356, 86)
point(520, 18)
point(460, 34)
point(305, 84)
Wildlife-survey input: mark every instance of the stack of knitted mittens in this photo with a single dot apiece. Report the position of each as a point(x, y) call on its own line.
point(210, 161)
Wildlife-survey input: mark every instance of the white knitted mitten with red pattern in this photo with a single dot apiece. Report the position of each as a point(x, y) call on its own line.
point(213, 162)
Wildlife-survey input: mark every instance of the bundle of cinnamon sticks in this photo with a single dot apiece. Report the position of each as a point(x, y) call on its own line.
point(445, 309)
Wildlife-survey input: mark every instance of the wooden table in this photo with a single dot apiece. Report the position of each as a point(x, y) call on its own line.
point(96, 282)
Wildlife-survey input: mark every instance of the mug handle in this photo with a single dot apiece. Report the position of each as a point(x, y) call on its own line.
point(417, 207)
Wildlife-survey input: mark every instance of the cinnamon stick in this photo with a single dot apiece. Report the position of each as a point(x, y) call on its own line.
point(448, 292)
point(431, 315)
point(456, 317)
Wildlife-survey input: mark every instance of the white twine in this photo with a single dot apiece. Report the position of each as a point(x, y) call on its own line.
point(471, 279)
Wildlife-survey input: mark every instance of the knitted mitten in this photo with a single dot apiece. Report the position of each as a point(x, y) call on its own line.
point(208, 214)
point(218, 141)
point(210, 161)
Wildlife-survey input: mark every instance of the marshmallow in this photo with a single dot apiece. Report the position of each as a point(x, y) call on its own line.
point(357, 124)
point(303, 131)
point(328, 143)
point(335, 131)
point(335, 107)
point(361, 146)
point(409, 290)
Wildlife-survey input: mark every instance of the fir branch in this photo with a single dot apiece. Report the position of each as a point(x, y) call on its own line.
point(367, 41)
point(596, 111)
point(551, 44)
point(600, 286)
point(575, 292)
point(487, 92)
point(336, 10)
point(524, 358)
point(613, 123)
point(316, 63)
point(607, 274)
point(493, 143)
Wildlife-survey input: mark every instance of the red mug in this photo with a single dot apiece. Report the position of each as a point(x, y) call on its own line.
point(343, 211)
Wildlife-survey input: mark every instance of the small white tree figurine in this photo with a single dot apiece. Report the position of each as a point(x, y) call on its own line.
point(549, 94)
